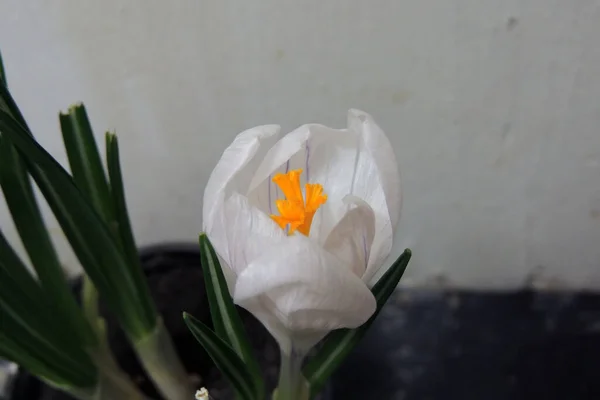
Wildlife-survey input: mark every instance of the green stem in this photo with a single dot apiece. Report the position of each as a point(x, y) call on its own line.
point(160, 360)
point(79, 393)
point(110, 370)
point(292, 385)
point(110, 387)
point(89, 305)
point(102, 355)
point(114, 386)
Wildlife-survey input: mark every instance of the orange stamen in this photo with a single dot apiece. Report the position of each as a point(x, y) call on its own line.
point(294, 211)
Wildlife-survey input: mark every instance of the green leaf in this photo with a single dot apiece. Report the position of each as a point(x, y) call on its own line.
point(8, 105)
point(22, 204)
point(226, 320)
point(224, 357)
point(2, 72)
point(19, 284)
point(84, 159)
point(88, 175)
point(30, 334)
point(155, 351)
point(12, 265)
point(123, 231)
point(89, 236)
point(45, 368)
point(338, 344)
point(23, 207)
point(23, 339)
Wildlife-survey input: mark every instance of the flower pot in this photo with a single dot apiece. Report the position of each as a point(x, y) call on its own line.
point(176, 283)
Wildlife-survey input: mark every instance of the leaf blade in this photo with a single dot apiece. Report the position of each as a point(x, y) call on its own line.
point(338, 344)
point(226, 320)
point(84, 158)
point(224, 357)
point(23, 207)
point(123, 230)
point(12, 351)
point(30, 324)
point(89, 236)
point(2, 72)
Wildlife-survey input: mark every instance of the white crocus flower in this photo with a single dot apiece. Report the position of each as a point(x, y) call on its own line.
point(301, 260)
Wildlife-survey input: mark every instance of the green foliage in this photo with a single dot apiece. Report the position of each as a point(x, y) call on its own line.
point(31, 333)
point(85, 228)
point(226, 320)
point(225, 358)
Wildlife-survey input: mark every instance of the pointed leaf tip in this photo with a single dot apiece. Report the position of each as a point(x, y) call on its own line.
point(2, 72)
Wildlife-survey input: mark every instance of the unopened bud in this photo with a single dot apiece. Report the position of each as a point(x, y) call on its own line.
point(202, 394)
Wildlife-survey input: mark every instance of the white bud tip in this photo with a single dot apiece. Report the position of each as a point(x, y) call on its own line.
point(202, 394)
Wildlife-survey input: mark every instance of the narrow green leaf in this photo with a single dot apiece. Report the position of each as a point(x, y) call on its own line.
point(338, 344)
point(20, 198)
point(84, 159)
point(22, 340)
point(77, 377)
point(9, 350)
point(22, 204)
point(12, 265)
point(123, 231)
point(88, 234)
point(88, 174)
point(156, 351)
point(224, 357)
point(8, 105)
point(22, 293)
point(2, 72)
point(29, 324)
point(226, 320)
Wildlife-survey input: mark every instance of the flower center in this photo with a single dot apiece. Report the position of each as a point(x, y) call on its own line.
point(294, 210)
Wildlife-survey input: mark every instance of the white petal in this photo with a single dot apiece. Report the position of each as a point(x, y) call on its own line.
point(308, 289)
point(233, 160)
point(249, 232)
point(378, 180)
point(378, 146)
point(351, 239)
point(261, 307)
point(294, 142)
point(326, 155)
point(232, 164)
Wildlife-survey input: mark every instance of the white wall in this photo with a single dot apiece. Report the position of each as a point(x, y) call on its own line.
point(493, 107)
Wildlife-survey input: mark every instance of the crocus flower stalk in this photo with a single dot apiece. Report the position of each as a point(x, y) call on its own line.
point(302, 223)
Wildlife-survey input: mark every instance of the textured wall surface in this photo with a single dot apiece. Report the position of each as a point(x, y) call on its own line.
point(493, 108)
